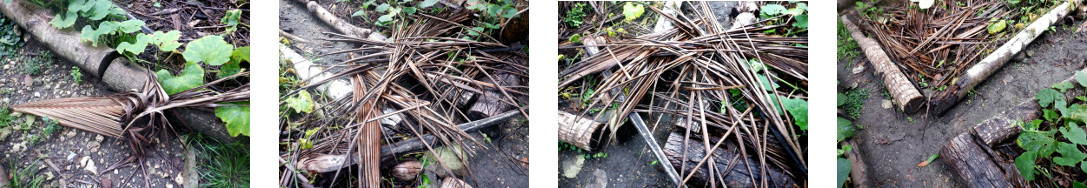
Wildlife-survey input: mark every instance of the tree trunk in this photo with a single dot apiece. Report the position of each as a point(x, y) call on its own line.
point(1006, 125)
point(577, 130)
point(906, 95)
point(978, 72)
point(978, 165)
point(735, 173)
point(339, 24)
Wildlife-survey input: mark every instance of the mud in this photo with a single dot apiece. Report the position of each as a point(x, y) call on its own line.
point(894, 143)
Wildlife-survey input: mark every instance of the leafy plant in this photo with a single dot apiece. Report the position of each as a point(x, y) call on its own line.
point(1040, 140)
point(232, 19)
point(76, 75)
point(301, 102)
point(575, 16)
point(32, 68)
point(632, 11)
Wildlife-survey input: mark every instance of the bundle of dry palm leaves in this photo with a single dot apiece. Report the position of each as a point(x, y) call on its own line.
point(934, 46)
point(426, 74)
point(134, 116)
point(717, 85)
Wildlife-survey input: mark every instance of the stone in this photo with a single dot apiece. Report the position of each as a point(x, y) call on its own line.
point(858, 69)
point(88, 165)
point(571, 167)
point(887, 104)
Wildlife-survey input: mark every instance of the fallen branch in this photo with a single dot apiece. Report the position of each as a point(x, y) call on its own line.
point(906, 95)
point(339, 24)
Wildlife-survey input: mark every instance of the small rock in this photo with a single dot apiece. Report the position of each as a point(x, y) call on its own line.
point(71, 156)
point(601, 179)
point(858, 69)
point(99, 138)
point(88, 165)
point(1030, 53)
point(49, 176)
point(28, 81)
point(572, 166)
point(37, 94)
point(887, 104)
point(179, 180)
point(4, 133)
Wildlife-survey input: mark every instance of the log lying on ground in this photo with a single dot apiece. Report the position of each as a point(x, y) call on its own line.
point(339, 24)
point(906, 95)
point(735, 173)
point(977, 73)
point(102, 62)
point(978, 165)
point(333, 162)
point(1006, 126)
point(494, 101)
point(858, 173)
point(577, 130)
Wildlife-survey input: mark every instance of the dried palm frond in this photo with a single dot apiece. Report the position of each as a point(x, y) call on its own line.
point(714, 84)
point(427, 73)
point(121, 115)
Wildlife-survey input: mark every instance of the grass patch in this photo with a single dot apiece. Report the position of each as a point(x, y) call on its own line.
point(852, 102)
point(220, 165)
point(847, 46)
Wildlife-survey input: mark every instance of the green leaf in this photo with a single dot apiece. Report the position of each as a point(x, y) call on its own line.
point(768, 84)
point(382, 8)
point(229, 69)
point(510, 12)
point(1076, 184)
point(236, 118)
point(842, 99)
point(1076, 112)
point(385, 18)
point(240, 54)
point(798, 108)
point(844, 166)
point(130, 26)
point(64, 22)
point(801, 22)
point(632, 11)
point(301, 103)
point(191, 77)
point(1050, 115)
point(472, 32)
point(997, 26)
point(409, 10)
point(772, 10)
point(208, 49)
point(100, 10)
point(1041, 142)
point(166, 41)
point(137, 47)
point(845, 129)
point(1063, 86)
point(1081, 78)
point(1070, 155)
point(576, 38)
point(1025, 164)
point(427, 3)
point(1074, 134)
point(1047, 96)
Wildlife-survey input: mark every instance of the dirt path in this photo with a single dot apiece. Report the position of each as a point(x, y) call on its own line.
point(893, 143)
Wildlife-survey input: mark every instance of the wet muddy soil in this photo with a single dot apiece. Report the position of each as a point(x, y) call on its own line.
point(893, 143)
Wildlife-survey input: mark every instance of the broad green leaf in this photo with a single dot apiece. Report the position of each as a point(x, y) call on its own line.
point(427, 3)
point(997, 26)
point(409, 10)
point(632, 11)
point(1070, 155)
point(842, 99)
point(472, 32)
point(236, 118)
point(130, 26)
point(1041, 142)
point(166, 41)
point(191, 77)
point(1081, 78)
point(772, 10)
point(1050, 115)
point(301, 103)
point(1063, 86)
point(1047, 96)
point(845, 129)
point(240, 54)
point(1077, 184)
point(137, 47)
point(65, 21)
point(767, 83)
point(229, 69)
point(208, 49)
point(510, 12)
point(1025, 164)
point(1074, 134)
point(844, 166)
point(798, 108)
point(74, 6)
point(101, 10)
point(385, 18)
point(801, 22)
point(1076, 112)
point(382, 7)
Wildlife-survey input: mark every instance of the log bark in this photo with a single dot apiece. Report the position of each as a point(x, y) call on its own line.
point(977, 164)
point(577, 130)
point(339, 24)
point(978, 72)
point(102, 62)
point(858, 173)
point(492, 101)
point(735, 173)
point(906, 95)
point(1000, 128)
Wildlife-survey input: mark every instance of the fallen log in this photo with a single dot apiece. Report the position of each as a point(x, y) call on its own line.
point(577, 131)
point(333, 162)
point(339, 24)
point(858, 173)
point(102, 62)
point(977, 73)
point(492, 101)
point(1002, 127)
point(732, 165)
point(978, 165)
point(905, 94)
